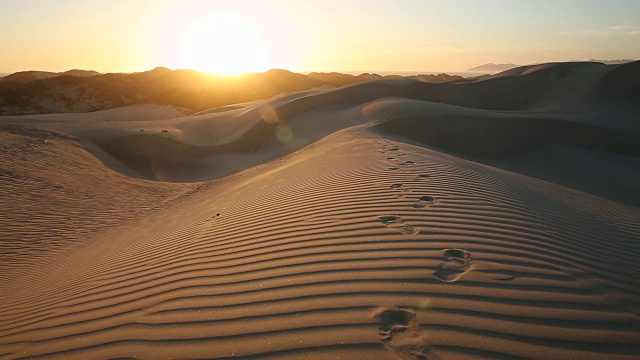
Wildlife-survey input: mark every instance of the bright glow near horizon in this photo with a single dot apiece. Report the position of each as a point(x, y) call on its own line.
point(223, 43)
point(367, 35)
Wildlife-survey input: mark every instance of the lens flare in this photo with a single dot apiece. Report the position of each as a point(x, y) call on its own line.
point(424, 304)
point(269, 114)
point(284, 133)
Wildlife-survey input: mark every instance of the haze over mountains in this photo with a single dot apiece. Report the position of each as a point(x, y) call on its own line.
point(494, 68)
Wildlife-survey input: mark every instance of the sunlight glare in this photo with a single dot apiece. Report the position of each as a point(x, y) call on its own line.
point(223, 43)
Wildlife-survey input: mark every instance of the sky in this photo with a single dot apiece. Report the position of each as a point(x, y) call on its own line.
point(329, 35)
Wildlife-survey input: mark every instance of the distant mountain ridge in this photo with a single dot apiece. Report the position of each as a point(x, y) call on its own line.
point(339, 79)
point(9, 81)
point(494, 68)
point(611, 62)
point(32, 75)
point(195, 91)
point(33, 92)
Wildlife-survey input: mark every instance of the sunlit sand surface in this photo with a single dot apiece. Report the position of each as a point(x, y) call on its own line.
point(392, 219)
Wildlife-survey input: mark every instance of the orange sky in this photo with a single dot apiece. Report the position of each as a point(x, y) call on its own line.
point(241, 36)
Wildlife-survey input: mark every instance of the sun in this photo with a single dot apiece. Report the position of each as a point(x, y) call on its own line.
point(223, 43)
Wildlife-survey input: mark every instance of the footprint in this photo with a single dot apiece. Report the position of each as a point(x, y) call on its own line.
point(422, 177)
point(457, 262)
point(396, 222)
point(457, 254)
point(394, 149)
point(409, 162)
point(400, 333)
point(424, 201)
point(390, 158)
point(394, 168)
point(403, 191)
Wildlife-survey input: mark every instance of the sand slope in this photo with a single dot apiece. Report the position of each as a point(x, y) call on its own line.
point(56, 193)
point(354, 236)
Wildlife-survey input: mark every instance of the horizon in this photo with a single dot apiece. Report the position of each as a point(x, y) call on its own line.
point(304, 72)
point(221, 37)
point(467, 72)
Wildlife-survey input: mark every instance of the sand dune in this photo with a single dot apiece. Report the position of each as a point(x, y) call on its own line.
point(389, 220)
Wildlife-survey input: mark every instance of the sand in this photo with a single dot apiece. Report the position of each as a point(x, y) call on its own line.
point(385, 220)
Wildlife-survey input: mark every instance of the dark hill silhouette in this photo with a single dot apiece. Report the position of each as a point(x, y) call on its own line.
point(25, 77)
point(29, 76)
point(82, 91)
point(573, 87)
point(338, 79)
point(80, 73)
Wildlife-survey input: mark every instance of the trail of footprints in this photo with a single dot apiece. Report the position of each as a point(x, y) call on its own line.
point(399, 329)
point(396, 222)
